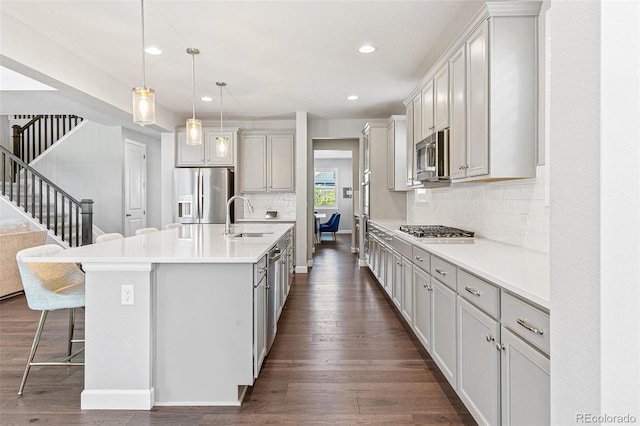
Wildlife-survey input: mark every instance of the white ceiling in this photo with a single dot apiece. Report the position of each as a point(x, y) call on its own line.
point(276, 57)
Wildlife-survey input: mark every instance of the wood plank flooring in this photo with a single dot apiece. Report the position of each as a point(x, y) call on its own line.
point(342, 356)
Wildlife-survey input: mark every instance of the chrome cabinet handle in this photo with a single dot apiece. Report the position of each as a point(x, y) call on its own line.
point(441, 272)
point(523, 323)
point(472, 291)
point(388, 239)
point(429, 288)
point(424, 285)
point(500, 347)
point(261, 270)
point(419, 259)
point(489, 338)
point(399, 263)
point(267, 287)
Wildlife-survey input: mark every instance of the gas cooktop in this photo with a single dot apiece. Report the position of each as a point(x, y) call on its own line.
point(435, 231)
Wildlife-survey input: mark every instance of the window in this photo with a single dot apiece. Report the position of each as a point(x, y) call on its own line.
point(324, 188)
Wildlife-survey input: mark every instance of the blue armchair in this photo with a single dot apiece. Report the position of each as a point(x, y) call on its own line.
point(331, 225)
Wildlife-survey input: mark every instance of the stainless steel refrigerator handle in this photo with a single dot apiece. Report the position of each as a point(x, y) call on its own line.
point(201, 195)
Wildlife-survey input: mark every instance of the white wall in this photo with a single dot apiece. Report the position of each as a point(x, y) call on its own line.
point(344, 179)
point(87, 163)
point(6, 136)
point(595, 194)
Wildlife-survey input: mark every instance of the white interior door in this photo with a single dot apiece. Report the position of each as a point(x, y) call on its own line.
point(135, 187)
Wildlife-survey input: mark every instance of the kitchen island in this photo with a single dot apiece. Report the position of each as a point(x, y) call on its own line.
point(170, 316)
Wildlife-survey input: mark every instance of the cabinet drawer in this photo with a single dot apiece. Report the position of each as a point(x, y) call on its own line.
point(260, 270)
point(482, 294)
point(402, 247)
point(421, 258)
point(385, 237)
point(443, 272)
point(526, 321)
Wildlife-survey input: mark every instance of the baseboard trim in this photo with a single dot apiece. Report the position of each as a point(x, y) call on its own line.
point(117, 399)
point(302, 269)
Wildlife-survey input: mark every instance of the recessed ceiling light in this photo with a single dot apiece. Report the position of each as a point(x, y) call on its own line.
point(153, 51)
point(352, 98)
point(206, 98)
point(367, 48)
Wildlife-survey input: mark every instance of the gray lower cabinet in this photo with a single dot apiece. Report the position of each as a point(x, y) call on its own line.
point(479, 363)
point(422, 296)
point(407, 290)
point(397, 282)
point(389, 269)
point(525, 383)
point(443, 337)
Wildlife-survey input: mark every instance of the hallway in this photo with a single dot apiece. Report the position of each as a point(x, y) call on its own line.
point(341, 356)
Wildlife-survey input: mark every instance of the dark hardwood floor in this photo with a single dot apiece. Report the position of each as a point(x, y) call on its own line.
point(342, 355)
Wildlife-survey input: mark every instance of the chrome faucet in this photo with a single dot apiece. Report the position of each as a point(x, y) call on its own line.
point(227, 224)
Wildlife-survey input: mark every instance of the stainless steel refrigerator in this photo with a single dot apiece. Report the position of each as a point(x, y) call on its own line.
point(200, 195)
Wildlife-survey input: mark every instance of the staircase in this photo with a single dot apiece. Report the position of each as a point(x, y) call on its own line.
point(39, 133)
point(68, 220)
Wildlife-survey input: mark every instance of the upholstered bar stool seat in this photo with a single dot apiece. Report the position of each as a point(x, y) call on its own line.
point(172, 225)
point(109, 237)
point(142, 231)
point(49, 287)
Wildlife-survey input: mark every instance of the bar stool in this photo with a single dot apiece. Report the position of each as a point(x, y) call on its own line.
point(49, 287)
point(172, 225)
point(109, 237)
point(142, 231)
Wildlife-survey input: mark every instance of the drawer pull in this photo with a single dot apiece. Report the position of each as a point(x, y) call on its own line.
point(500, 347)
point(399, 263)
point(262, 270)
point(419, 259)
point(441, 272)
point(489, 338)
point(472, 291)
point(429, 288)
point(388, 239)
point(424, 285)
point(523, 323)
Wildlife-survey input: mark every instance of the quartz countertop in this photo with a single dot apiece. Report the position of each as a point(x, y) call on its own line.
point(188, 244)
point(519, 270)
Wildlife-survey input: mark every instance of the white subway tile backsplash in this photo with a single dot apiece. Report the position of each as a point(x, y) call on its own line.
point(283, 203)
point(514, 212)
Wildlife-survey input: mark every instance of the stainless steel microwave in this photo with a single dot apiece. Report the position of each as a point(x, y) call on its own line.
point(432, 157)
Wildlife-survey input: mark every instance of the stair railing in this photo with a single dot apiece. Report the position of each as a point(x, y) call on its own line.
point(79, 216)
point(40, 133)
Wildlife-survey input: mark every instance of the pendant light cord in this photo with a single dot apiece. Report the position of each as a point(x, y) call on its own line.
point(221, 111)
point(144, 80)
point(193, 79)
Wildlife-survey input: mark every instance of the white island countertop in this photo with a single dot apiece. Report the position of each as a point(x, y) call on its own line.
point(204, 243)
point(521, 271)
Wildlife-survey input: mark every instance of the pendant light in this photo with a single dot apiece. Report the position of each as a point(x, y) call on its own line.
point(222, 144)
point(144, 99)
point(194, 126)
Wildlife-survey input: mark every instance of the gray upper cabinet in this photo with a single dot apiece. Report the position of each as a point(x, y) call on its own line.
point(267, 161)
point(210, 153)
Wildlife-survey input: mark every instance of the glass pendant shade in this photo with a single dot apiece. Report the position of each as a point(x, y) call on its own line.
point(194, 131)
point(144, 105)
point(223, 146)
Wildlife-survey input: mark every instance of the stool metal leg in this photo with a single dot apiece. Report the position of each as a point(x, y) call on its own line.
point(72, 323)
point(34, 346)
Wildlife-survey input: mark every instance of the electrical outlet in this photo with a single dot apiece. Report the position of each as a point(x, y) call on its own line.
point(126, 294)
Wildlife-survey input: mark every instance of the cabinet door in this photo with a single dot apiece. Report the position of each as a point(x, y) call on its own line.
point(382, 265)
point(410, 145)
point(391, 156)
point(478, 101)
point(441, 98)
point(253, 163)
point(478, 363)
point(281, 163)
point(219, 154)
point(388, 279)
point(407, 290)
point(396, 291)
point(443, 336)
point(188, 155)
point(427, 110)
point(417, 120)
point(525, 383)
point(259, 325)
point(422, 292)
point(458, 117)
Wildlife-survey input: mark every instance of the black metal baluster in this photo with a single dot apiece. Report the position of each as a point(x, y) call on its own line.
point(62, 218)
point(55, 211)
point(33, 195)
point(77, 226)
point(48, 207)
point(40, 199)
point(4, 171)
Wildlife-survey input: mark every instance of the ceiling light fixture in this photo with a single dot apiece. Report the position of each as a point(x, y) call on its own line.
point(223, 142)
point(352, 98)
point(153, 50)
point(144, 98)
point(367, 48)
point(194, 126)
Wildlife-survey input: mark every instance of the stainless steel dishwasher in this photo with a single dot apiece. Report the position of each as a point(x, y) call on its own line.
point(273, 278)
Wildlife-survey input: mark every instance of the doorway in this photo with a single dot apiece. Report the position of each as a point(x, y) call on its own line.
point(335, 189)
point(135, 187)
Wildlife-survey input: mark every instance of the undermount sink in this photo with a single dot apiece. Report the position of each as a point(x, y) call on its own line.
point(251, 234)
